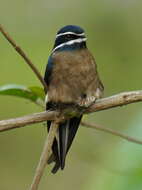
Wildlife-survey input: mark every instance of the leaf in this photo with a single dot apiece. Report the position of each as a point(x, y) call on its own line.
point(38, 91)
point(34, 93)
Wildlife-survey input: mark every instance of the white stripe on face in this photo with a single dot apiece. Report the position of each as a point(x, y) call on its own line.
point(65, 33)
point(79, 40)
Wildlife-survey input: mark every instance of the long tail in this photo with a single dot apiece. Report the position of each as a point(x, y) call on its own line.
point(63, 141)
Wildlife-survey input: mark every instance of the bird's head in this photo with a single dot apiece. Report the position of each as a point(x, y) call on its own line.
point(70, 37)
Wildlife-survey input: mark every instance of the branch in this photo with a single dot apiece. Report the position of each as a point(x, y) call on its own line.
point(44, 156)
point(102, 104)
point(110, 131)
point(120, 99)
point(9, 124)
point(105, 103)
point(24, 56)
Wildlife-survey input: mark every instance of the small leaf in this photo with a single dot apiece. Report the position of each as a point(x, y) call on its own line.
point(38, 91)
point(34, 94)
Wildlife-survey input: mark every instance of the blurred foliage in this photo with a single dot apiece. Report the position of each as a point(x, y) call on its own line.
point(97, 160)
point(34, 93)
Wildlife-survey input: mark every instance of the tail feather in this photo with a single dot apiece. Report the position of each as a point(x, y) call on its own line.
point(74, 124)
point(56, 167)
point(63, 142)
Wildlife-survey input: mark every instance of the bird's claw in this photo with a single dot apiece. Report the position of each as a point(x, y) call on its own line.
point(87, 102)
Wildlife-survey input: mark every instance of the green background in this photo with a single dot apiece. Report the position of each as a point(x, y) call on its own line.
point(97, 161)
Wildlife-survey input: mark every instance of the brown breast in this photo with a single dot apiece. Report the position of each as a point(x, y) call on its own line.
point(74, 74)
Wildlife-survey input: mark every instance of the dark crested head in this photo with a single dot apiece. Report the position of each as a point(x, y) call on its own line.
point(70, 37)
point(71, 28)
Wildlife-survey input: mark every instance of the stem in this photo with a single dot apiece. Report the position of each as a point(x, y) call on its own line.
point(110, 131)
point(44, 156)
point(24, 56)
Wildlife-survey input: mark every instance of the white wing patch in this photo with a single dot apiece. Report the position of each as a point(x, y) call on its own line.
point(46, 98)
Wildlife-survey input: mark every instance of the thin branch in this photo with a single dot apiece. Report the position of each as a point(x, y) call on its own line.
point(102, 104)
point(24, 56)
point(9, 124)
point(106, 103)
point(117, 100)
point(110, 131)
point(44, 156)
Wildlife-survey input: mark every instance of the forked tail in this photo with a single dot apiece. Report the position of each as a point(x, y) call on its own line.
point(62, 143)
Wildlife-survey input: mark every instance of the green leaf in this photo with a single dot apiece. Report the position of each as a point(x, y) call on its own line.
point(34, 93)
point(38, 91)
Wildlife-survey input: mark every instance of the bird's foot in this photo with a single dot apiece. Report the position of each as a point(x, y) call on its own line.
point(87, 102)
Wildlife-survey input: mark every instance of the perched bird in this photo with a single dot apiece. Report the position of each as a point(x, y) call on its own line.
point(72, 79)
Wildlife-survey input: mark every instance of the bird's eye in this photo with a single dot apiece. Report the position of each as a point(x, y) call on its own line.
point(68, 36)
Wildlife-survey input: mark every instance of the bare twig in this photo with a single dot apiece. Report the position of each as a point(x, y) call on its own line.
point(9, 124)
point(24, 56)
point(120, 99)
point(105, 103)
point(113, 101)
point(110, 131)
point(44, 156)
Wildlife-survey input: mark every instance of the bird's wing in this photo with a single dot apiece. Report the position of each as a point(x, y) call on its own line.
point(48, 71)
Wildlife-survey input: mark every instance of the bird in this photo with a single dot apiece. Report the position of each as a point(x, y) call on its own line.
point(72, 79)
